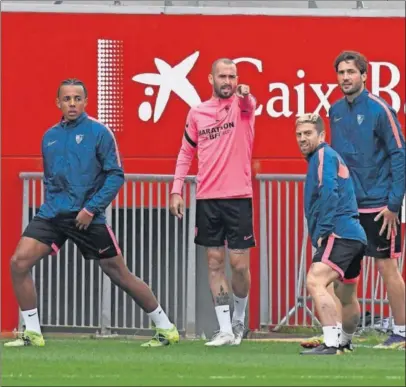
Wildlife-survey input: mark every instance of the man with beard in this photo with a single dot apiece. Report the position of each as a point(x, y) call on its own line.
point(366, 133)
point(336, 233)
point(221, 130)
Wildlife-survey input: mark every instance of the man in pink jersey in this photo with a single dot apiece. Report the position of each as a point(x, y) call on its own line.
point(222, 131)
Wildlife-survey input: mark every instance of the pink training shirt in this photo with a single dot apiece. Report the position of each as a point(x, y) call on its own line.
point(222, 132)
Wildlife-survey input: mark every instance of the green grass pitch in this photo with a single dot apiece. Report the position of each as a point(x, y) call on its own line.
point(122, 362)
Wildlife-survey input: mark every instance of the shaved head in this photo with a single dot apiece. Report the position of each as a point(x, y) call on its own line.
point(225, 61)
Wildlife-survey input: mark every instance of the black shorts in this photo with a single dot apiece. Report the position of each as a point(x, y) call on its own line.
point(342, 255)
point(221, 221)
point(97, 242)
point(378, 245)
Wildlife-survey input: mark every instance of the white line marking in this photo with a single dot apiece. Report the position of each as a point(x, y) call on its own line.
point(213, 377)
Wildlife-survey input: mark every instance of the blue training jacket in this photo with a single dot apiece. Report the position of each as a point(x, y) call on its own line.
point(330, 203)
point(82, 168)
point(367, 134)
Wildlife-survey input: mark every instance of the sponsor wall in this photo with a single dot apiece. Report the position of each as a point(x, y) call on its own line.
point(143, 73)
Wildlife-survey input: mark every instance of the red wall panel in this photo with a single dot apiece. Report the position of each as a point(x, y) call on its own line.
point(289, 68)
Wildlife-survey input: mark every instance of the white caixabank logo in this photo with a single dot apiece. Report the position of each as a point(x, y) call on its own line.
point(285, 100)
point(174, 79)
point(168, 79)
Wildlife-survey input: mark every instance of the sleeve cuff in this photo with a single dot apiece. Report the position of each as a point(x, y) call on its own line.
point(177, 187)
point(393, 207)
point(88, 212)
point(325, 234)
point(248, 102)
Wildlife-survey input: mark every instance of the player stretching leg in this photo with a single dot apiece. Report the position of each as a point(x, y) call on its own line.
point(82, 175)
point(332, 218)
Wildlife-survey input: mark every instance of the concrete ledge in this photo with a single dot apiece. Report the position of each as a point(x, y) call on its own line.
point(174, 10)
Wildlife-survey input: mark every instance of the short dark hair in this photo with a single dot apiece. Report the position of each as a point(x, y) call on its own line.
point(311, 118)
point(359, 60)
point(221, 60)
point(73, 82)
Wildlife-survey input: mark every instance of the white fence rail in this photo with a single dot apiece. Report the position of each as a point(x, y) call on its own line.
point(74, 293)
point(286, 254)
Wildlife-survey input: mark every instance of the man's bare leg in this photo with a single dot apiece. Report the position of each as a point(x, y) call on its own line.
point(315, 341)
point(137, 289)
point(395, 286)
point(28, 252)
point(142, 294)
point(219, 286)
point(332, 290)
point(319, 277)
point(351, 311)
point(221, 296)
point(240, 281)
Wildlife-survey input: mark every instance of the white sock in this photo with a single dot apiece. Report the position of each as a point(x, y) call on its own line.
point(240, 304)
point(224, 318)
point(399, 330)
point(345, 337)
point(340, 329)
point(160, 319)
point(31, 320)
point(331, 335)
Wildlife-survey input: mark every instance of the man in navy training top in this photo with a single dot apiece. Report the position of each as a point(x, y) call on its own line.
point(366, 133)
point(332, 218)
point(82, 175)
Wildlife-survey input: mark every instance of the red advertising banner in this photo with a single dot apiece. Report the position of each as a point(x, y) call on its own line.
point(143, 72)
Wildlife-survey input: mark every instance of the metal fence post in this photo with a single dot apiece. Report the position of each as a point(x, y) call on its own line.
point(360, 5)
point(106, 291)
point(191, 268)
point(25, 221)
point(264, 280)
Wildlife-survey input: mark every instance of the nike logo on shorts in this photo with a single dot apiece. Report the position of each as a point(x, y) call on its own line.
point(382, 248)
point(247, 237)
point(102, 251)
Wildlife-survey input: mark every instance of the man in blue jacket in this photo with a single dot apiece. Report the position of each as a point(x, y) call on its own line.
point(82, 175)
point(366, 133)
point(332, 219)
